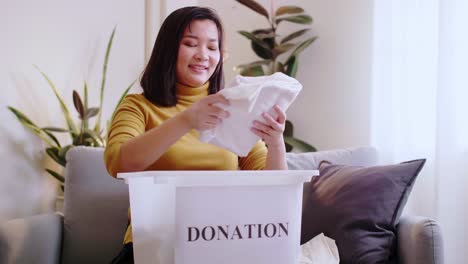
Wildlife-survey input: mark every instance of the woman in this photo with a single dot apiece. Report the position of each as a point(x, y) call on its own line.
point(157, 130)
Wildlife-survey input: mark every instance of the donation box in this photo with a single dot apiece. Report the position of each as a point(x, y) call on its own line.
point(216, 217)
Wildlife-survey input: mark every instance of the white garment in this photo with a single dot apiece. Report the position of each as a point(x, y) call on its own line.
point(249, 97)
point(319, 250)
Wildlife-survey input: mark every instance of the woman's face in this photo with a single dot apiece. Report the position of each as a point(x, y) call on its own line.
point(198, 53)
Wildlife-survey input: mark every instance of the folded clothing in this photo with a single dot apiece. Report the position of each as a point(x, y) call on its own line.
point(249, 97)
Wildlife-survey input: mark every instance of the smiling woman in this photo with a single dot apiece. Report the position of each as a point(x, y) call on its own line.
point(158, 129)
point(199, 53)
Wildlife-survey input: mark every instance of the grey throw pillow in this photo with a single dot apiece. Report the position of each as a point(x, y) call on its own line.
point(359, 208)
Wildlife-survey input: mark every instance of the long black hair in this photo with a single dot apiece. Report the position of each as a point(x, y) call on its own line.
point(159, 77)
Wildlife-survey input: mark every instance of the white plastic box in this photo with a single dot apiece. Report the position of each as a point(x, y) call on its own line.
point(214, 217)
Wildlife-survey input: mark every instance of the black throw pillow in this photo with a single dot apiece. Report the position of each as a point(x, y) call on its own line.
point(358, 207)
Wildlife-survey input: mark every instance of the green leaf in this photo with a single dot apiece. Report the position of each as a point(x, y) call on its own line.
point(252, 64)
point(108, 125)
point(261, 47)
point(93, 111)
point(288, 10)
point(55, 129)
point(98, 142)
point(78, 104)
point(282, 49)
point(294, 35)
point(253, 38)
point(97, 127)
point(302, 46)
point(21, 117)
point(57, 176)
point(266, 35)
point(50, 135)
point(53, 152)
point(70, 123)
point(29, 125)
point(122, 98)
point(85, 92)
point(279, 67)
point(255, 7)
point(253, 71)
point(288, 129)
point(63, 151)
point(299, 19)
point(299, 145)
point(292, 66)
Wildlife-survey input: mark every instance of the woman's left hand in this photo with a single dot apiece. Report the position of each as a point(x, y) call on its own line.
point(272, 130)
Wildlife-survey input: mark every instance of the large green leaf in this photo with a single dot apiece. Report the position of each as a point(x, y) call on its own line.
point(57, 176)
point(255, 7)
point(97, 127)
point(53, 152)
point(299, 19)
point(294, 35)
point(28, 124)
point(268, 37)
point(50, 135)
point(292, 66)
point(299, 145)
point(303, 46)
point(253, 71)
point(21, 117)
point(63, 151)
point(252, 64)
point(282, 49)
point(282, 10)
point(255, 39)
point(70, 123)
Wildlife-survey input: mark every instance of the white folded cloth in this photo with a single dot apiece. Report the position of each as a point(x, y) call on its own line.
point(249, 97)
point(319, 250)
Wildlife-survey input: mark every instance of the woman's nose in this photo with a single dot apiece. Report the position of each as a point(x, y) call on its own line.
point(201, 54)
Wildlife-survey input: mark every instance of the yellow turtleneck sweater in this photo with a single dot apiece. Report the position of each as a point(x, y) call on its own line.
point(136, 114)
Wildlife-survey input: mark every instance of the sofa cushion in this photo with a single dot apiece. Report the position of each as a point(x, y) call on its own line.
point(359, 156)
point(95, 209)
point(358, 207)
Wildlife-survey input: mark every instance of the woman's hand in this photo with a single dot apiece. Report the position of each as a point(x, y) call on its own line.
point(272, 131)
point(204, 114)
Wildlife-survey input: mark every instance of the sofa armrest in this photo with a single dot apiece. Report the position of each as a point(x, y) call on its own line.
point(35, 239)
point(419, 241)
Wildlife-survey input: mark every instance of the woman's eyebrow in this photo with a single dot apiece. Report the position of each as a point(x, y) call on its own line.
point(195, 37)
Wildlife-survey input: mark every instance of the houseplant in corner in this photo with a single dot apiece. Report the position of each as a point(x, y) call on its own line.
point(81, 133)
point(266, 44)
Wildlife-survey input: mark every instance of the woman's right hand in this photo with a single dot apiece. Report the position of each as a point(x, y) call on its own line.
point(204, 114)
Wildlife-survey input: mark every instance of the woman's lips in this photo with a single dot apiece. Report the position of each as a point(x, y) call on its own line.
point(198, 68)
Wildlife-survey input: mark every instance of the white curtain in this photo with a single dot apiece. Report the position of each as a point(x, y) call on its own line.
point(420, 106)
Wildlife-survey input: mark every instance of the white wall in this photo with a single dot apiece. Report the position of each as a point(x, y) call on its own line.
point(333, 110)
point(67, 40)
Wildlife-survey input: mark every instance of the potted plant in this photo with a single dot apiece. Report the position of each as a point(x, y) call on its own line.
point(271, 47)
point(81, 133)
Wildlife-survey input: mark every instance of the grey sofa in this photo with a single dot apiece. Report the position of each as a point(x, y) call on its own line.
point(95, 216)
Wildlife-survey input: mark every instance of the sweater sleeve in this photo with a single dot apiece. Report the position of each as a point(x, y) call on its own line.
point(256, 159)
point(128, 122)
